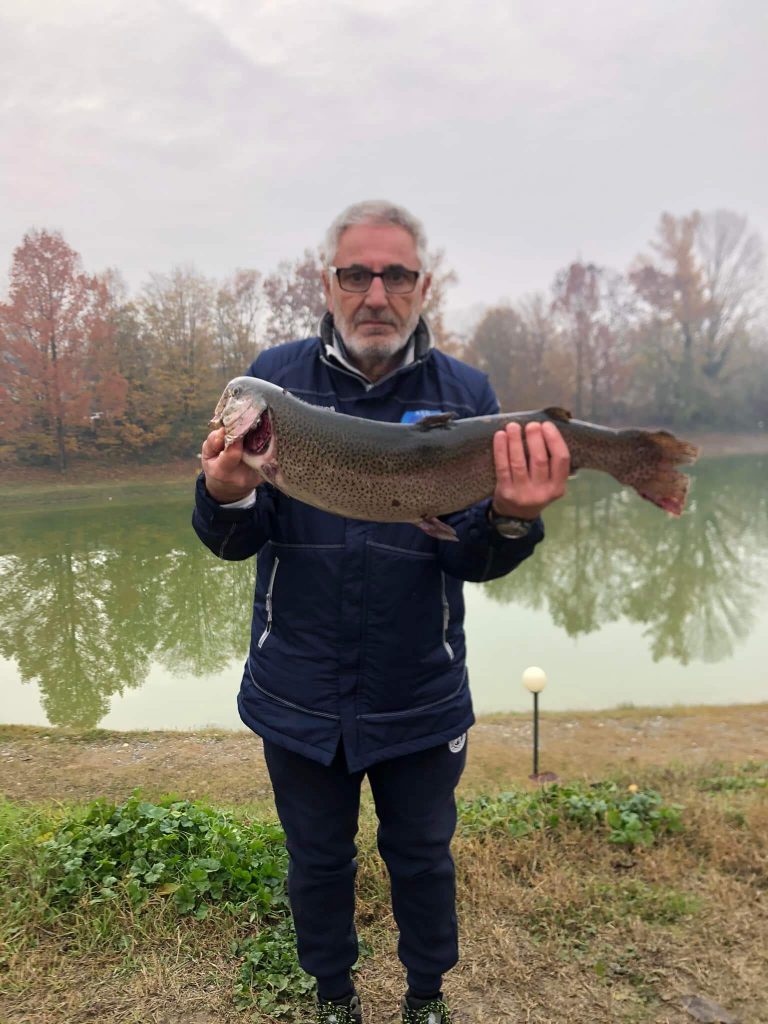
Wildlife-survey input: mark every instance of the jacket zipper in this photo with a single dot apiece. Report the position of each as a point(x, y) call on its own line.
point(226, 540)
point(268, 603)
point(446, 618)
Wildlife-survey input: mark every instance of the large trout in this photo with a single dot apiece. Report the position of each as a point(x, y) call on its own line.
point(392, 472)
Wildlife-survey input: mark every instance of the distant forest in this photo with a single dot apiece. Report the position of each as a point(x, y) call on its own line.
point(89, 371)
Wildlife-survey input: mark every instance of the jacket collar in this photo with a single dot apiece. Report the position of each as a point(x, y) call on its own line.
point(334, 353)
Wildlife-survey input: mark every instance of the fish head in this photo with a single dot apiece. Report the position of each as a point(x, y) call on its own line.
point(244, 412)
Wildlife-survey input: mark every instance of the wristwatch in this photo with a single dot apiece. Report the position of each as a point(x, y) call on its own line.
point(511, 527)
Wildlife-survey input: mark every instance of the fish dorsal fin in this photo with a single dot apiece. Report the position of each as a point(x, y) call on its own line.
point(440, 419)
point(555, 412)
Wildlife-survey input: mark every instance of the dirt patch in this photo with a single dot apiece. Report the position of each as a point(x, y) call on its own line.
point(228, 767)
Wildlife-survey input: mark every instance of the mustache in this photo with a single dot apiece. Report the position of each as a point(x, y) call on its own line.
point(369, 314)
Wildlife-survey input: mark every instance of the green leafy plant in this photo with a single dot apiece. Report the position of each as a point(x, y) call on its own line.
point(628, 818)
point(192, 853)
point(751, 775)
point(270, 976)
point(194, 856)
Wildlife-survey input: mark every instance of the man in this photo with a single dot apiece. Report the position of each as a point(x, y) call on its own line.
point(357, 661)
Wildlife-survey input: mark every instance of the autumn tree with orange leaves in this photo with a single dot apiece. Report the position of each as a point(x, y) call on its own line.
point(58, 376)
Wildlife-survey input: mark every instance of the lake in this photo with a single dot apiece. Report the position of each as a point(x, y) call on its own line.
point(113, 614)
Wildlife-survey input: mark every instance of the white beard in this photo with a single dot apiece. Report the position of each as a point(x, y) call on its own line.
point(368, 351)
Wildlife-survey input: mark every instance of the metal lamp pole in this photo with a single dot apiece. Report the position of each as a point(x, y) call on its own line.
point(534, 680)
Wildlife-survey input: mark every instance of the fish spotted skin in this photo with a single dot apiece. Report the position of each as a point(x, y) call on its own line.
point(394, 472)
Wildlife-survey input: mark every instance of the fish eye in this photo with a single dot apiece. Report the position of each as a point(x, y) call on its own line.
point(235, 392)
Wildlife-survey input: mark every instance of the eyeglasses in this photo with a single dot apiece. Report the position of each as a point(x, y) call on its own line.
point(396, 280)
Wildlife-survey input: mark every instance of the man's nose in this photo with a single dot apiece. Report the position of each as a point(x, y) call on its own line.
point(377, 293)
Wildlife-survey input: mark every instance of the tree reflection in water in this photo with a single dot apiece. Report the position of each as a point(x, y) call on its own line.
point(91, 598)
point(693, 582)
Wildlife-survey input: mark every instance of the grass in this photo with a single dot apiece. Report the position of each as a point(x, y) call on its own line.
point(26, 499)
point(558, 921)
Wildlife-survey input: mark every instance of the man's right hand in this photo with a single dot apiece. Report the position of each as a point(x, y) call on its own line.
point(227, 478)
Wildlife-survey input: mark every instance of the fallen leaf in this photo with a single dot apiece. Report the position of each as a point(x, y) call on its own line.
point(166, 888)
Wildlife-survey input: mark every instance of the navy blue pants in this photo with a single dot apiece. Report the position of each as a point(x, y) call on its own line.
point(318, 809)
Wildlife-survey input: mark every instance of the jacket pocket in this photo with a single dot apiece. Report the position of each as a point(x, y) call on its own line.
point(287, 703)
point(382, 716)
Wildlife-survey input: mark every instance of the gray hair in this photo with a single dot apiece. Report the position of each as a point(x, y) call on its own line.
point(374, 211)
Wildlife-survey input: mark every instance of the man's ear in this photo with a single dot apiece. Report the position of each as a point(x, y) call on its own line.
point(325, 278)
point(425, 286)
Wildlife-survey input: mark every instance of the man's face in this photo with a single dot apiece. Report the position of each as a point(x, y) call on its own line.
point(376, 324)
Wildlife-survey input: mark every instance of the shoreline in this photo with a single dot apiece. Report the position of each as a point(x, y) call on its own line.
point(227, 765)
point(175, 471)
point(10, 730)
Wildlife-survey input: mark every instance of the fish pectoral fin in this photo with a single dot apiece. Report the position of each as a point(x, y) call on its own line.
point(555, 412)
point(437, 528)
point(441, 419)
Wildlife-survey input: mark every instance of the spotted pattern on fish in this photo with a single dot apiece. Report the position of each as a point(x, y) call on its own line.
point(392, 472)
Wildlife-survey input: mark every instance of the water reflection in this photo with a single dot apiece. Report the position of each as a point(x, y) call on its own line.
point(693, 582)
point(92, 598)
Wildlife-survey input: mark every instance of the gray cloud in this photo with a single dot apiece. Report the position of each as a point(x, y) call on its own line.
point(228, 134)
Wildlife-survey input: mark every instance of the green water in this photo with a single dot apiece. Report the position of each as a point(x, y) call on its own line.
point(113, 613)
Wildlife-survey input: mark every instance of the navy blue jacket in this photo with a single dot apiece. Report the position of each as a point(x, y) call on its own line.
point(357, 626)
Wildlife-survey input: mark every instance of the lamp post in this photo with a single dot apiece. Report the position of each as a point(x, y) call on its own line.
point(534, 680)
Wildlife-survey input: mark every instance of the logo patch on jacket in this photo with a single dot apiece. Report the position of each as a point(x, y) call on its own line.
point(414, 415)
point(457, 745)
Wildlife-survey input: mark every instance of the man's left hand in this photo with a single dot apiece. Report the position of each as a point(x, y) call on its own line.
point(524, 487)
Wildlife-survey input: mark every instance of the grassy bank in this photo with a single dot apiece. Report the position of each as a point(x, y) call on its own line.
point(590, 902)
point(28, 490)
point(38, 484)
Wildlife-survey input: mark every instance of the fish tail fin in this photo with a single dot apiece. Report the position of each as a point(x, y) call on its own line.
point(659, 481)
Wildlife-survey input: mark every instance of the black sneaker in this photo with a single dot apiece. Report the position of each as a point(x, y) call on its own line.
point(347, 1012)
point(424, 1011)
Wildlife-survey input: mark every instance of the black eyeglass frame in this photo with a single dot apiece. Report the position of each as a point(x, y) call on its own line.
point(376, 273)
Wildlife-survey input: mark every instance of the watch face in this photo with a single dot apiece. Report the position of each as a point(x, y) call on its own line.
point(513, 528)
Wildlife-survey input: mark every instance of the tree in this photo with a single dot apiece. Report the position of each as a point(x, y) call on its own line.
point(733, 264)
point(517, 347)
point(499, 342)
point(591, 308)
point(148, 417)
point(295, 300)
point(701, 293)
point(56, 349)
point(443, 278)
point(239, 312)
point(177, 313)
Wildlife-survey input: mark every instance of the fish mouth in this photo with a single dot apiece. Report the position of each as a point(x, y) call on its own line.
point(256, 441)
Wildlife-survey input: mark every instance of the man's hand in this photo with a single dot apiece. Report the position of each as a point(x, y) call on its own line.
point(227, 478)
point(525, 488)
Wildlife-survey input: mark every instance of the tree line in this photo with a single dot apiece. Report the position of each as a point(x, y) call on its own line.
point(88, 370)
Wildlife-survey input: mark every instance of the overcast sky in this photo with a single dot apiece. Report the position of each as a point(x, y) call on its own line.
point(524, 134)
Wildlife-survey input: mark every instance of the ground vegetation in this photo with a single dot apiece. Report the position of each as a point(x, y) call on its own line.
point(615, 894)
